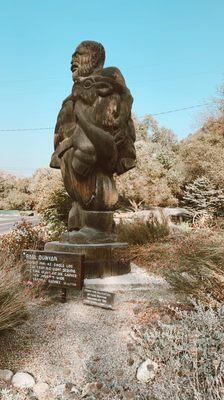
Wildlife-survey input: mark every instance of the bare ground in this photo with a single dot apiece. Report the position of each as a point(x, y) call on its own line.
point(80, 344)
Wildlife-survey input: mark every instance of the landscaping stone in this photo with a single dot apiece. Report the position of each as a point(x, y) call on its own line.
point(40, 389)
point(146, 371)
point(75, 390)
point(23, 380)
point(89, 389)
point(6, 375)
point(59, 389)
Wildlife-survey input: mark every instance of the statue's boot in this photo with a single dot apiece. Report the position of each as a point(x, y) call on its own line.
point(98, 227)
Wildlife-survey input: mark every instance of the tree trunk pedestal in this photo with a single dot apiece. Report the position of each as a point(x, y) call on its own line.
point(100, 259)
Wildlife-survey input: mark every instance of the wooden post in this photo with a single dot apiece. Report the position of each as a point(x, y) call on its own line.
point(63, 295)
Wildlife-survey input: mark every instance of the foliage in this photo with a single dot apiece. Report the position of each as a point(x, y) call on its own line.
point(51, 200)
point(14, 193)
point(23, 236)
point(149, 181)
point(201, 154)
point(13, 303)
point(189, 353)
point(140, 232)
point(198, 265)
point(202, 196)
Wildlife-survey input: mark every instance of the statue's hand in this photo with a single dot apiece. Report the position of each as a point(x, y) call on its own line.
point(55, 161)
point(81, 167)
point(120, 137)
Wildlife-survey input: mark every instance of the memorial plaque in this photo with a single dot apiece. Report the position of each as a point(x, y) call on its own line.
point(55, 268)
point(98, 298)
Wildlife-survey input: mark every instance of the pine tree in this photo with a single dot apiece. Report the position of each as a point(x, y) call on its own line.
point(202, 196)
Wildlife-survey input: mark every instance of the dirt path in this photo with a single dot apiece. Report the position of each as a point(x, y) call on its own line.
point(77, 343)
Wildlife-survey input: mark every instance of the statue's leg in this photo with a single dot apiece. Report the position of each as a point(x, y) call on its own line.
point(75, 214)
point(94, 198)
point(105, 196)
point(96, 217)
point(84, 156)
point(75, 219)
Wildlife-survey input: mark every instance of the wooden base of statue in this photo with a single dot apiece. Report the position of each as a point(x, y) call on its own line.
point(100, 259)
point(98, 242)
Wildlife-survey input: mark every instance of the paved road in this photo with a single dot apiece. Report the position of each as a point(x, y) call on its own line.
point(8, 221)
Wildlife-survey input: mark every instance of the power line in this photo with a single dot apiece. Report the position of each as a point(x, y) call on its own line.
point(181, 109)
point(154, 114)
point(25, 129)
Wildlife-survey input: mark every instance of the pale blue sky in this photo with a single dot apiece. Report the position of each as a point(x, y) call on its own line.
point(170, 52)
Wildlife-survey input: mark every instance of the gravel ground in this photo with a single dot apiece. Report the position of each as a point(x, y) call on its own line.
point(77, 343)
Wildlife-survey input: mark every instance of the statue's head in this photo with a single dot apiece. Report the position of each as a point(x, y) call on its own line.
point(88, 57)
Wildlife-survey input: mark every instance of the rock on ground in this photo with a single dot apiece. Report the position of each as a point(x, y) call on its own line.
point(22, 380)
point(6, 375)
point(147, 371)
point(40, 389)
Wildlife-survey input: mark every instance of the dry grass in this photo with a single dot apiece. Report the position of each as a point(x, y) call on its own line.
point(13, 302)
point(140, 232)
point(200, 266)
point(192, 262)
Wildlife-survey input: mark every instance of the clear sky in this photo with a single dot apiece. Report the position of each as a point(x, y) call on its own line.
point(170, 52)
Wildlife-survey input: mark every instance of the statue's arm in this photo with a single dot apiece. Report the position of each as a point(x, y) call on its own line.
point(102, 141)
point(125, 135)
point(55, 160)
point(61, 144)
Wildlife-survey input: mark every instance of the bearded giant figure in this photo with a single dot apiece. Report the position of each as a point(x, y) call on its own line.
point(94, 139)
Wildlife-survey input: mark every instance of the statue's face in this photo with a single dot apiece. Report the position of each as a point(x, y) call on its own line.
point(84, 62)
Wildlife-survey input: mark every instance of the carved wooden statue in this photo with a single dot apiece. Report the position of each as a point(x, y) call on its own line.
point(94, 139)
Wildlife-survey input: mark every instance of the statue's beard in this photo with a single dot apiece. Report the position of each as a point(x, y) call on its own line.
point(85, 67)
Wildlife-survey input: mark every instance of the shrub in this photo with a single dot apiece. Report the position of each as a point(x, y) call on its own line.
point(51, 199)
point(202, 153)
point(189, 353)
point(17, 200)
point(14, 193)
point(148, 182)
point(13, 302)
point(202, 196)
point(54, 209)
point(140, 232)
point(23, 236)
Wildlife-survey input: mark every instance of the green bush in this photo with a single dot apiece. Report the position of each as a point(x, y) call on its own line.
point(51, 199)
point(54, 209)
point(201, 196)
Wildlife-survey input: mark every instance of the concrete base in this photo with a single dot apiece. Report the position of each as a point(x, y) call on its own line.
point(136, 279)
point(101, 260)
